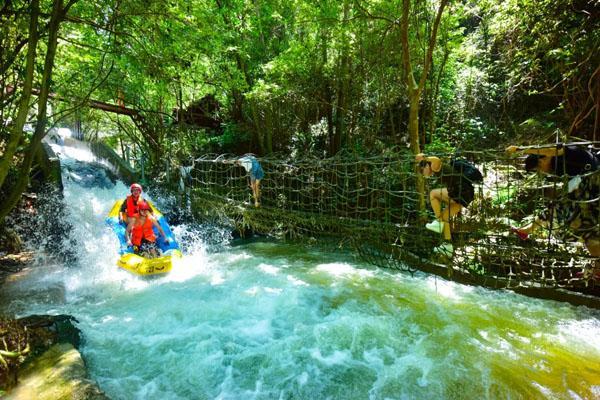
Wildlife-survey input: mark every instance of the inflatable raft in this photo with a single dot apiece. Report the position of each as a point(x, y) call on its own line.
point(138, 264)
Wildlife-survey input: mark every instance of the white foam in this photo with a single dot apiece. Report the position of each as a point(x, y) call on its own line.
point(447, 289)
point(343, 270)
point(295, 281)
point(239, 324)
point(335, 358)
point(269, 269)
point(581, 331)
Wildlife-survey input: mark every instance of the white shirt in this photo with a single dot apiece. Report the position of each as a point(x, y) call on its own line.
point(246, 162)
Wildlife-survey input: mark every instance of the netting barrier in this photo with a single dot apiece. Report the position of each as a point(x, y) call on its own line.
point(373, 205)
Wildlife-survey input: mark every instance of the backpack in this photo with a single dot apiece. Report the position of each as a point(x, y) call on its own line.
point(467, 170)
point(575, 161)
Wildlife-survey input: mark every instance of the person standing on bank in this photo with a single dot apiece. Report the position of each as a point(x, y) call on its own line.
point(447, 201)
point(255, 171)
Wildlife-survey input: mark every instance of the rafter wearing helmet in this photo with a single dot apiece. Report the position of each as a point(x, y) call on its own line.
point(140, 233)
point(130, 206)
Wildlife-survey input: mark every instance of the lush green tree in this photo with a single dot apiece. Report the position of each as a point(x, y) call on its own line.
point(56, 16)
point(527, 67)
point(298, 76)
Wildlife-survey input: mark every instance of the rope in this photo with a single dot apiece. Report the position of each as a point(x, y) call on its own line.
point(371, 204)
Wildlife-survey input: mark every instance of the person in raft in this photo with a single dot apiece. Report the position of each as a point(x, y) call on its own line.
point(456, 192)
point(579, 210)
point(253, 167)
point(129, 208)
point(140, 233)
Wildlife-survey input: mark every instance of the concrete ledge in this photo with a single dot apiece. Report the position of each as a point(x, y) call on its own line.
point(122, 169)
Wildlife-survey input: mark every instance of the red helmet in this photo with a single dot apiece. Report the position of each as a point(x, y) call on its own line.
point(135, 186)
point(142, 205)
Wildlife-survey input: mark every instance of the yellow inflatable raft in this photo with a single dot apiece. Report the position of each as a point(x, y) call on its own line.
point(135, 263)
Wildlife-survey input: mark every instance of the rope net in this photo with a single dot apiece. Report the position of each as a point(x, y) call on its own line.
point(373, 205)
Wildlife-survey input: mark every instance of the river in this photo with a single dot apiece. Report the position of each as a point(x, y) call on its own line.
point(272, 320)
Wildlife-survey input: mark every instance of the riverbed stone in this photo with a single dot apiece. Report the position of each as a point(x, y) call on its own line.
point(10, 241)
point(49, 165)
point(59, 373)
point(11, 264)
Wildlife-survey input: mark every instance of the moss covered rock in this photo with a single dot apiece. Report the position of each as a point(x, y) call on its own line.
point(59, 373)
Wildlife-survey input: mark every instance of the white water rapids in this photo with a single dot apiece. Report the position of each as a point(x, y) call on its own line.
point(268, 320)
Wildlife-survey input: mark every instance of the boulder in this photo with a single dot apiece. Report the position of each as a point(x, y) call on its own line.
point(59, 373)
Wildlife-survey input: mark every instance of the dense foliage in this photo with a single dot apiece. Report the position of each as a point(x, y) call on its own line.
point(295, 76)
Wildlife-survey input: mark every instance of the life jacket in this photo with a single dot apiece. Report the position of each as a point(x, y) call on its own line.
point(142, 231)
point(132, 208)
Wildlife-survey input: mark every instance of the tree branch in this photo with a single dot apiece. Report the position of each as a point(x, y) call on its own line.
point(432, 40)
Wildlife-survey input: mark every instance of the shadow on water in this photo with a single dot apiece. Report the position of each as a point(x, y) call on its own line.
point(88, 174)
point(304, 250)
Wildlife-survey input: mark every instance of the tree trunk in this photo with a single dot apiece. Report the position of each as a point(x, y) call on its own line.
point(269, 128)
point(409, 80)
point(413, 121)
point(19, 123)
point(326, 95)
point(40, 128)
point(436, 91)
point(329, 116)
point(595, 132)
point(414, 89)
point(342, 88)
point(259, 134)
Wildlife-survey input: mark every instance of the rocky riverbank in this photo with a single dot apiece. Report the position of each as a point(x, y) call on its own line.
point(14, 263)
point(40, 360)
point(39, 357)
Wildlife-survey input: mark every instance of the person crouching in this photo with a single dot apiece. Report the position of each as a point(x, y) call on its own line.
point(140, 233)
point(454, 193)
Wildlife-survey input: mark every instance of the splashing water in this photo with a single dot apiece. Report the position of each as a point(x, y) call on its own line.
point(269, 320)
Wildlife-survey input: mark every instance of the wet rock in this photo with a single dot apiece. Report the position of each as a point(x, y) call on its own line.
point(24, 339)
point(47, 330)
point(49, 166)
point(14, 263)
point(15, 347)
point(59, 373)
point(122, 168)
point(89, 174)
point(51, 367)
point(40, 220)
point(10, 241)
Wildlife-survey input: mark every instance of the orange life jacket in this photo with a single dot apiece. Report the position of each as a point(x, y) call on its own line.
point(132, 208)
point(142, 231)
